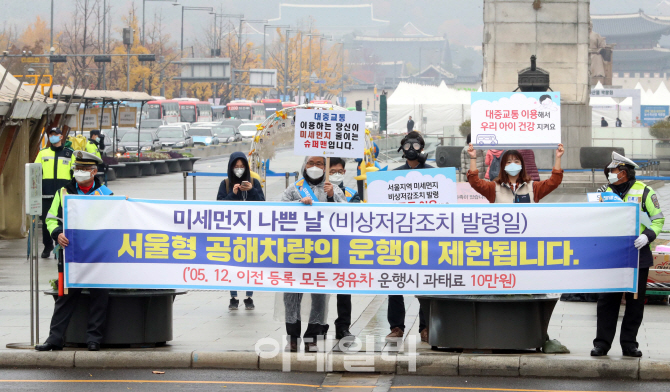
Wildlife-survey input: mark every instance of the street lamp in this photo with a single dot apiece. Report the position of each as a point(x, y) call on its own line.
point(310, 59)
point(181, 47)
point(288, 31)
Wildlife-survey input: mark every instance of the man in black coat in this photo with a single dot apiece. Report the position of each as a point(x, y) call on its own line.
point(410, 125)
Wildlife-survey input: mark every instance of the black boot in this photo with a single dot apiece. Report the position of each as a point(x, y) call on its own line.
point(233, 304)
point(47, 252)
point(249, 304)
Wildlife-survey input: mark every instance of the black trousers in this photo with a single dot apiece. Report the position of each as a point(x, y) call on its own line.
point(313, 330)
point(608, 314)
point(64, 308)
point(343, 320)
point(46, 237)
point(396, 313)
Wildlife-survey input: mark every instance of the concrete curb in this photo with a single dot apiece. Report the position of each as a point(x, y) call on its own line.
point(428, 363)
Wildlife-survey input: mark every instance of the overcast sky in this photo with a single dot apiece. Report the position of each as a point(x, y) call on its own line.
point(461, 20)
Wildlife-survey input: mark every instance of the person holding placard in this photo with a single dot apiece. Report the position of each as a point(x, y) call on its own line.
point(412, 147)
point(312, 188)
point(513, 185)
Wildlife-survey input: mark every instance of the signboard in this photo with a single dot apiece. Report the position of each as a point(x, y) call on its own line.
point(652, 113)
point(467, 195)
point(263, 78)
point(30, 59)
point(432, 186)
point(350, 248)
point(329, 133)
point(127, 117)
point(516, 120)
point(92, 119)
point(33, 188)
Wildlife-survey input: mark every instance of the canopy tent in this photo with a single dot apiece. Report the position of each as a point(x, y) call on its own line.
point(434, 109)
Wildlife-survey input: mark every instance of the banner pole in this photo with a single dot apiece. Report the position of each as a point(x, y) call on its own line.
point(194, 185)
point(32, 266)
point(37, 288)
point(185, 186)
point(327, 169)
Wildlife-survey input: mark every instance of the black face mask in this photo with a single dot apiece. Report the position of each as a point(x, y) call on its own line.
point(411, 153)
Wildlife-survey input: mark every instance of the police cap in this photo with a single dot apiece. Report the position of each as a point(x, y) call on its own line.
point(84, 158)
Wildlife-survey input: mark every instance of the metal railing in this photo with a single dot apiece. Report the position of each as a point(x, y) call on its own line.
point(194, 174)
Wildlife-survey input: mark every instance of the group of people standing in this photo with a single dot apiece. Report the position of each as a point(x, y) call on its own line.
point(500, 176)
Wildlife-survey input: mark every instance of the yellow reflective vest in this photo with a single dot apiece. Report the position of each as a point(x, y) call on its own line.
point(56, 168)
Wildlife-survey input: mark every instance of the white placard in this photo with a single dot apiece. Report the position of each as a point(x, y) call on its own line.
point(426, 186)
point(127, 117)
point(329, 133)
point(33, 189)
point(467, 194)
point(516, 120)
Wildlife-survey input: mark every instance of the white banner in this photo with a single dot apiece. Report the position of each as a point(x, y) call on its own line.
point(350, 248)
point(435, 186)
point(516, 120)
point(329, 133)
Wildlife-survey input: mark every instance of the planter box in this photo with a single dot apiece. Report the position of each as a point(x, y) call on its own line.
point(186, 164)
point(141, 318)
point(147, 168)
point(160, 167)
point(488, 322)
point(173, 165)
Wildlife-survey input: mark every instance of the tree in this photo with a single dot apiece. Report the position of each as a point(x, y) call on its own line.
point(79, 37)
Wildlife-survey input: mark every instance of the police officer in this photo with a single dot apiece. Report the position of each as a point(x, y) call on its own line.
point(83, 183)
point(95, 143)
point(621, 176)
point(56, 162)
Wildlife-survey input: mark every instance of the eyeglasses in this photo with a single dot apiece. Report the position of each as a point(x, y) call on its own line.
point(84, 168)
point(312, 164)
point(407, 146)
point(336, 172)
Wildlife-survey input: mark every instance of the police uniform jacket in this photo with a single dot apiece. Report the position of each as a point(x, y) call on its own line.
point(56, 163)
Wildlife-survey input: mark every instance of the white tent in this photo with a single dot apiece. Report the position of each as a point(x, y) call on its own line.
point(434, 109)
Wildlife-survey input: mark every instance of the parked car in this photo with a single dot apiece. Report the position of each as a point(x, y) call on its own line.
point(231, 122)
point(110, 143)
point(184, 125)
point(174, 136)
point(227, 133)
point(248, 130)
point(203, 135)
point(152, 124)
point(148, 141)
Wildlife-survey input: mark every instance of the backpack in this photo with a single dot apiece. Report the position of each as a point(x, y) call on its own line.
point(494, 168)
point(78, 143)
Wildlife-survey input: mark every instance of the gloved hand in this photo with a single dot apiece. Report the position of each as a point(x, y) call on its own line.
point(641, 241)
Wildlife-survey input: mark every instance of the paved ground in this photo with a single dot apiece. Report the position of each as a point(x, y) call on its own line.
point(77, 380)
point(202, 320)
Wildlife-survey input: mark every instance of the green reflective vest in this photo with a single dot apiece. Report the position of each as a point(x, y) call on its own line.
point(649, 205)
point(56, 166)
point(93, 149)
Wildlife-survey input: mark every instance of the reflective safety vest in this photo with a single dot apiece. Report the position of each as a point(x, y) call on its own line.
point(54, 217)
point(93, 149)
point(646, 197)
point(56, 166)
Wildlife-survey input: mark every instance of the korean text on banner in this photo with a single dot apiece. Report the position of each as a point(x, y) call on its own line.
point(351, 248)
point(516, 120)
point(329, 133)
point(33, 189)
point(436, 186)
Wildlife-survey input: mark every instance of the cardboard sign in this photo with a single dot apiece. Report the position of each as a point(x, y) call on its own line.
point(92, 119)
point(329, 133)
point(432, 186)
point(467, 195)
point(516, 120)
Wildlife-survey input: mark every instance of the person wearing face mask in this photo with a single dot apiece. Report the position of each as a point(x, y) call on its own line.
point(312, 188)
point(412, 146)
point(240, 186)
point(83, 183)
point(56, 164)
point(513, 185)
point(621, 176)
point(337, 172)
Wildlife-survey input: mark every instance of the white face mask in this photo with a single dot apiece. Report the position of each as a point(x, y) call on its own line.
point(336, 178)
point(314, 172)
point(238, 172)
point(82, 175)
point(613, 177)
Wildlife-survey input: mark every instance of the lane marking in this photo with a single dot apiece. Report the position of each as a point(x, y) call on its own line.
point(295, 385)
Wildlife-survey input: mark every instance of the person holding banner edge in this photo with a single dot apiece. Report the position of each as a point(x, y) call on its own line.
point(240, 186)
point(83, 183)
point(312, 188)
point(621, 176)
point(412, 146)
point(513, 185)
